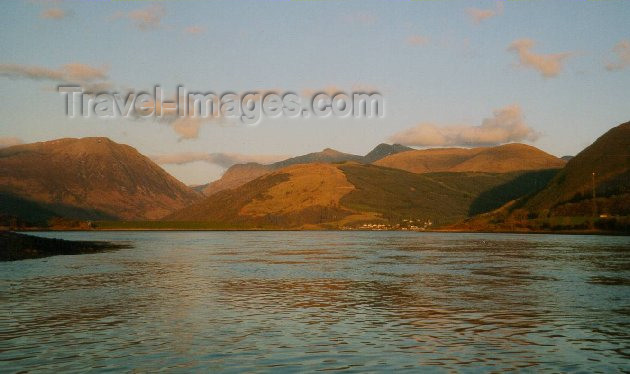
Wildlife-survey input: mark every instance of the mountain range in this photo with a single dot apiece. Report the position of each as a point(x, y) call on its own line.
point(351, 195)
point(239, 174)
point(601, 170)
point(501, 159)
point(392, 187)
point(603, 166)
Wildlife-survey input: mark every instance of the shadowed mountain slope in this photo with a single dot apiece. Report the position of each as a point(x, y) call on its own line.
point(570, 192)
point(566, 202)
point(501, 159)
point(239, 174)
point(86, 178)
point(349, 194)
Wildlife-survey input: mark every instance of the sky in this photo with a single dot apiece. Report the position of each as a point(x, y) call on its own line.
point(550, 73)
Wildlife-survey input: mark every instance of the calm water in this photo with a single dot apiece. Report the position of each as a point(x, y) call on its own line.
point(310, 301)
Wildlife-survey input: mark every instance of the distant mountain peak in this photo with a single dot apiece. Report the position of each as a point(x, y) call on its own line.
point(330, 151)
point(500, 159)
point(383, 150)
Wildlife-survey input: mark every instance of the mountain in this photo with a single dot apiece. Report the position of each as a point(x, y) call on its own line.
point(198, 187)
point(570, 192)
point(383, 150)
point(566, 202)
point(293, 196)
point(352, 194)
point(88, 178)
point(328, 155)
point(501, 159)
point(239, 174)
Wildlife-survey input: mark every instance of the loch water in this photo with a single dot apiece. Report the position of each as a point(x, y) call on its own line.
point(321, 301)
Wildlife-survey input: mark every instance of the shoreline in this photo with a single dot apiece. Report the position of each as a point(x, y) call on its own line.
point(442, 231)
point(15, 246)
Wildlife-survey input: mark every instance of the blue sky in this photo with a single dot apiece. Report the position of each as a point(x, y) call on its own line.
point(458, 72)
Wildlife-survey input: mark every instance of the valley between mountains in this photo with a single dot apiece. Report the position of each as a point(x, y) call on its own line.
point(95, 183)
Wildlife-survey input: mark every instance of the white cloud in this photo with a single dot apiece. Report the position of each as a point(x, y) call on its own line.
point(146, 18)
point(54, 13)
point(84, 73)
point(622, 50)
point(548, 65)
point(91, 79)
point(224, 160)
point(417, 40)
point(69, 73)
point(480, 15)
point(506, 125)
point(194, 30)
point(187, 127)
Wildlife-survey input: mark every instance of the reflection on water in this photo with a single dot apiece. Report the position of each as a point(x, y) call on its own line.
point(308, 301)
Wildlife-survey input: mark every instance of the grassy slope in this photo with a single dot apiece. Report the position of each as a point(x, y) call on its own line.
point(239, 174)
point(442, 197)
point(570, 192)
point(566, 202)
point(321, 196)
point(501, 159)
point(221, 209)
point(290, 198)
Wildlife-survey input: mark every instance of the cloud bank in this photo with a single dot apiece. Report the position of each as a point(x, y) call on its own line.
point(480, 15)
point(187, 127)
point(549, 65)
point(224, 160)
point(54, 13)
point(194, 30)
point(417, 40)
point(92, 79)
point(146, 18)
point(506, 125)
point(73, 72)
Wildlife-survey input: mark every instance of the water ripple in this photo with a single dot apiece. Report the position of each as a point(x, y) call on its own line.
point(321, 301)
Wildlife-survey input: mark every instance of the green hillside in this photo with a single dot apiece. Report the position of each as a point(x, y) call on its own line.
point(570, 192)
point(305, 196)
point(442, 198)
point(566, 203)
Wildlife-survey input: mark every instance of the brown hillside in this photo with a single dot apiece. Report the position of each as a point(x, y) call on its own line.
point(240, 174)
point(290, 197)
point(566, 202)
point(350, 194)
point(609, 158)
point(93, 175)
point(501, 159)
point(237, 175)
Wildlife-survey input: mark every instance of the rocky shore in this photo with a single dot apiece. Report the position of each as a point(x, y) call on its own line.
point(15, 246)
